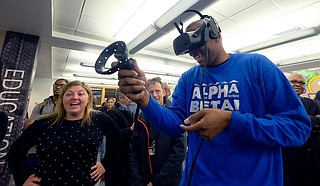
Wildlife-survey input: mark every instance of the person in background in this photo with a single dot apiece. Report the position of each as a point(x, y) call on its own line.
point(301, 165)
point(109, 104)
point(94, 102)
point(67, 142)
point(133, 107)
point(317, 97)
point(117, 146)
point(3, 125)
point(43, 108)
point(238, 109)
point(168, 93)
point(155, 158)
point(49, 104)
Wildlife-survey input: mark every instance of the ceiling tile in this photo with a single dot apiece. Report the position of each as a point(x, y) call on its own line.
point(306, 17)
point(64, 30)
point(230, 28)
point(94, 36)
point(72, 6)
point(65, 19)
point(258, 14)
point(102, 9)
point(293, 5)
point(229, 8)
point(243, 23)
point(96, 26)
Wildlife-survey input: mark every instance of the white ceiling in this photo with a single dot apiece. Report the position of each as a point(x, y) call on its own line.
point(74, 32)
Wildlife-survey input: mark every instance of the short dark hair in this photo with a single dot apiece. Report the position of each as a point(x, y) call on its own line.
point(110, 98)
point(62, 80)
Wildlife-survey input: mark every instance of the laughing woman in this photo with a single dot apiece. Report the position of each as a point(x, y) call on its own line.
point(67, 142)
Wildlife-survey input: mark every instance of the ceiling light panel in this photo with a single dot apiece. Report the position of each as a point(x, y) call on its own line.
point(133, 18)
point(299, 35)
point(263, 32)
point(173, 11)
point(305, 47)
point(145, 16)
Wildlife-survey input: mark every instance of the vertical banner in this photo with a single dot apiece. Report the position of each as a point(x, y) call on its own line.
point(17, 62)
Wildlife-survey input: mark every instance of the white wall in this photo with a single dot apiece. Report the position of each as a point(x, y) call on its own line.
point(41, 89)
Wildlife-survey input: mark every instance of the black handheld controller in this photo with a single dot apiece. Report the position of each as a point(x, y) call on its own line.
point(120, 51)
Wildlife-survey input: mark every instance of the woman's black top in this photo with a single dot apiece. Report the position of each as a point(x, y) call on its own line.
point(65, 153)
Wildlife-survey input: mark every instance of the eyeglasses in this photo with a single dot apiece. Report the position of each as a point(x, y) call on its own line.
point(294, 82)
point(58, 85)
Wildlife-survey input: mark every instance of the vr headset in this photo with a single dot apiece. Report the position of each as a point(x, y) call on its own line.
point(188, 41)
point(183, 44)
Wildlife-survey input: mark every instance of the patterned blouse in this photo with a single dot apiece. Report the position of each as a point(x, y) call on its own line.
point(65, 153)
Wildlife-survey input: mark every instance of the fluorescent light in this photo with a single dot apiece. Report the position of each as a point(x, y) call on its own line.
point(147, 72)
point(299, 65)
point(86, 65)
point(174, 12)
point(149, 35)
point(308, 62)
point(165, 23)
point(96, 79)
point(94, 76)
point(102, 84)
point(299, 35)
point(144, 15)
point(114, 80)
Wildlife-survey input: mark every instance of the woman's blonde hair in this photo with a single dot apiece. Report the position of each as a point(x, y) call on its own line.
point(60, 112)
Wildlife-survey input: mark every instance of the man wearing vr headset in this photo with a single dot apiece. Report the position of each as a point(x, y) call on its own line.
point(238, 110)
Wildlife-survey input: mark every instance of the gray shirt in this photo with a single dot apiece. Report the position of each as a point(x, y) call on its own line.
point(45, 107)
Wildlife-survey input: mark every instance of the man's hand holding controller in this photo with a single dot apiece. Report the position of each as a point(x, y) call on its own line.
point(133, 84)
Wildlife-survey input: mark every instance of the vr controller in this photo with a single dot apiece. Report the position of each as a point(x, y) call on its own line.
point(120, 51)
point(184, 43)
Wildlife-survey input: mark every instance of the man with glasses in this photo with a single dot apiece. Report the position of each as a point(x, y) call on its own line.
point(302, 164)
point(45, 107)
point(48, 105)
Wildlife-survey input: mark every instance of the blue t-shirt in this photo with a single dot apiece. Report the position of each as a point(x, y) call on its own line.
point(266, 114)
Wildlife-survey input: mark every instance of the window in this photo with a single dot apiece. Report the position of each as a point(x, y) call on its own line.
point(103, 92)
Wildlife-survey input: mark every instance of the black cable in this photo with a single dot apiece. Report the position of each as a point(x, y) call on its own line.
point(136, 114)
point(201, 107)
point(194, 162)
